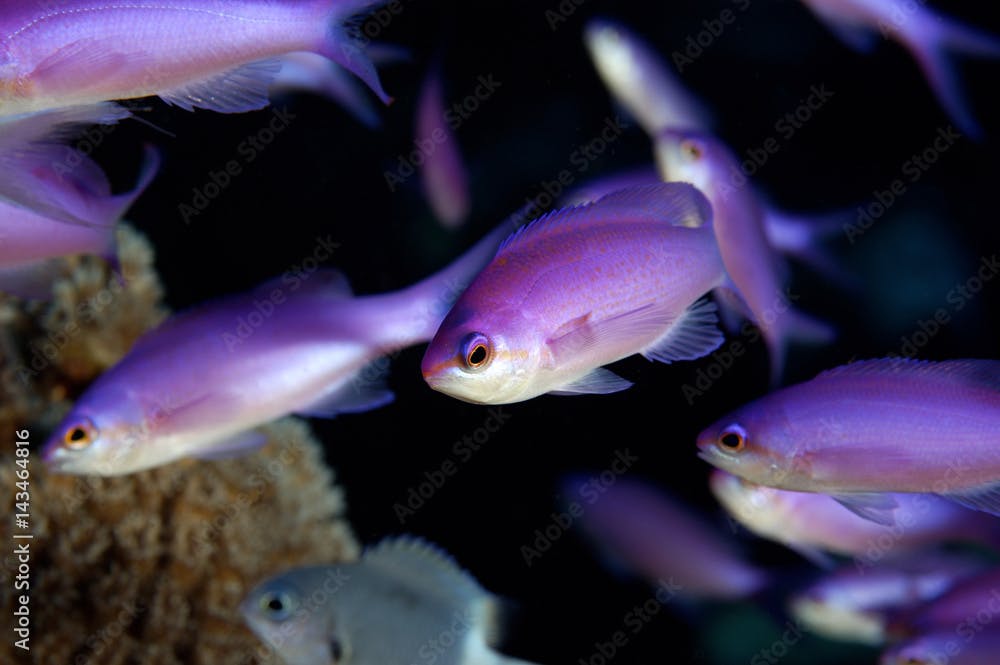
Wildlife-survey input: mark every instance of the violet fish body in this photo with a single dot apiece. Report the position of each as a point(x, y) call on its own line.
point(754, 267)
point(636, 525)
point(810, 522)
point(641, 81)
point(869, 428)
point(200, 383)
point(926, 34)
point(856, 603)
point(580, 288)
point(947, 646)
point(442, 173)
point(951, 609)
point(214, 54)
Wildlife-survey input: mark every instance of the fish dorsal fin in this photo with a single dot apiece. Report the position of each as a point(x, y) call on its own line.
point(977, 372)
point(421, 565)
point(244, 88)
point(674, 203)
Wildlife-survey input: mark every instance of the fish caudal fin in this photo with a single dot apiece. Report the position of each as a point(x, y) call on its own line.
point(797, 326)
point(348, 52)
point(802, 237)
point(930, 40)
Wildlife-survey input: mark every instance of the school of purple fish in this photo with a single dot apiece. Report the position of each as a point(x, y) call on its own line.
point(657, 262)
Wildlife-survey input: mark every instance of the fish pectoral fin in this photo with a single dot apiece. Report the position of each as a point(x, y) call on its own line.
point(233, 446)
point(583, 334)
point(874, 507)
point(815, 555)
point(985, 498)
point(244, 88)
point(32, 281)
point(366, 391)
point(87, 59)
point(598, 381)
point(693, 335)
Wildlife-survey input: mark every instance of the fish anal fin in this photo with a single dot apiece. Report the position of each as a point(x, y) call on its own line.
point(244, 88)
point(874, 507)
point(598, 381)
point(985, 498)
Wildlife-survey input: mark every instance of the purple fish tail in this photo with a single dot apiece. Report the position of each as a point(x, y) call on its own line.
point(930, 41)
point(797, 326)
point(346, 50)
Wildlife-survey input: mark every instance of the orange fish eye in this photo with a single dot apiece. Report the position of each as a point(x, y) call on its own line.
point(477, 351)
point(733, 439)
point(691, 150)
point(80, 435)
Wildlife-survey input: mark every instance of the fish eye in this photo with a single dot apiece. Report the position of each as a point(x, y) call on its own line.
point(277, 605)
point(80, 435)
point(691, 150)
point(477, 351)
point(733, 439)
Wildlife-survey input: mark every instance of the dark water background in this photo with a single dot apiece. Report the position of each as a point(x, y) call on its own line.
point(324, 175)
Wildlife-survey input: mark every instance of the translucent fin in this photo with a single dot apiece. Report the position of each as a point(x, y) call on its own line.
point(244, 88)
point(314, 73)
point(985, 498)
point(238, 445)
point(359, 395)
point(693, 335)
point(418, 564)
point(815, 555)
point(349, 54)
point(984, 373)
point(598, 381)
point(87, 59)
point(875, 507)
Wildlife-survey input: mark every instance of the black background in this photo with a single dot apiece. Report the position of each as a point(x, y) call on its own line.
point(324, 175)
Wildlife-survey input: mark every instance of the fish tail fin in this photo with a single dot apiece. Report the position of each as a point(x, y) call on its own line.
point(803, 237)
point(349, 51)
point(118, 204)
point(429, 300)
point(796, 326)
point(930, 40)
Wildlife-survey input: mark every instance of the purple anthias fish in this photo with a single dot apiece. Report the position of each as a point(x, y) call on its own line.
point(855, 603)
point(29, 239)
point(868, 429)
point(926, 34)
point(811, 523)
point(948, 647)
point(641, 81)
point(580, 288)
point(212, 54)
point(756, 289)
point(200, 383)
point(445, 183)
point(953, 609)
point(792, 234)
point(640, 528)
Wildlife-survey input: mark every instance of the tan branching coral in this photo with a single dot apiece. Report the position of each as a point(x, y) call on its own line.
point(147, 568)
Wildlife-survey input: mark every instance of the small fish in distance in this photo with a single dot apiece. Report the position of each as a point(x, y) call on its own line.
point(925, 33)
point(442, 172)
point(962, 645)
point(812, 523)
point(580, 288)
point(639, 528)
point(200, 383)
point(641, 81)
point(213, 54)
point(387, 608)
point(866, 430)
point(950, 609)
point(756, 289)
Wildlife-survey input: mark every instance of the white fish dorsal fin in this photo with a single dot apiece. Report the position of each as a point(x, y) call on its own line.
point(985, 498)
point(421, 565)
point(598, 381)
point(969, 372)
point(874, 507)
point(693, 335)
point(674, 203)
point(244, 88)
